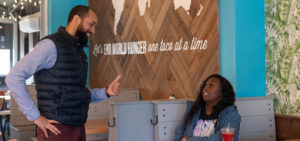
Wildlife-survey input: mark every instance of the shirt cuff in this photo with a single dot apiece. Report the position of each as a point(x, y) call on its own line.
point(106, 92)
point(98, 94)
point(33, 115)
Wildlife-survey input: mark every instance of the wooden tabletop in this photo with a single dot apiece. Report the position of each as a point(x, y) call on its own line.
point(5, 112)
point(6, 97)
point(97, 126)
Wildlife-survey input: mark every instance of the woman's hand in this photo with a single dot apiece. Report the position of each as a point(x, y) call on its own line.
point(184, 138)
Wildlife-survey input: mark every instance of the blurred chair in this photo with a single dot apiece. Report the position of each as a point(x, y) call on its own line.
point(4, 117)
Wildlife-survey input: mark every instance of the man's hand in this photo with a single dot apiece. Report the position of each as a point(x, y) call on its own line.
point(45, 124)
point(114, 87)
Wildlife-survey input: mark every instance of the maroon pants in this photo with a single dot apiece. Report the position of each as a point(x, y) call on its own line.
point(67, 133)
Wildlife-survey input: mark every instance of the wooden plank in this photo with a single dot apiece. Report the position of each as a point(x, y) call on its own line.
point(255, 107)
point(257, 123)
point(287, 127)
point(96, 126)
point(258, 136)
point(157, 74)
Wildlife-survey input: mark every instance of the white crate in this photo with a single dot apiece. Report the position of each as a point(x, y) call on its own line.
point(22, 133)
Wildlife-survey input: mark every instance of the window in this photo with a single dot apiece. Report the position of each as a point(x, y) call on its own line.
point(5, 62)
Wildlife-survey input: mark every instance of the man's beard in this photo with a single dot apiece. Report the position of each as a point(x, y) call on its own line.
point(82, 37)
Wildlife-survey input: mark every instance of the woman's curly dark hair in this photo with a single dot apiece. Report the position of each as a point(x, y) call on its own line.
point(228, 98)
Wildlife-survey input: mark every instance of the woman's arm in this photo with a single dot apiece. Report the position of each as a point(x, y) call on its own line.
point(231, 117)
point(179, 133)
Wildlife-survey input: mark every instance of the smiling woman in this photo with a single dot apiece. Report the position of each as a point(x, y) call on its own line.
point(212, 111)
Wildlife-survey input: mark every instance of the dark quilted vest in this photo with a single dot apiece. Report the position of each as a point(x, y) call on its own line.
point(61, 91)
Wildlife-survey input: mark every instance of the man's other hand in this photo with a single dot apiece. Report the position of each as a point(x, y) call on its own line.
point(45, 125)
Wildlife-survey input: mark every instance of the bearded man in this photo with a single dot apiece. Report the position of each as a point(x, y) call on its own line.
point(59, 66)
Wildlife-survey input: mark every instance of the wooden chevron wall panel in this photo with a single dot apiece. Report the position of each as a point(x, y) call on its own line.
point(162, 68)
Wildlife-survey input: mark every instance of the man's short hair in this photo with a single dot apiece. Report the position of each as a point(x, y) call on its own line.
point(80, 10)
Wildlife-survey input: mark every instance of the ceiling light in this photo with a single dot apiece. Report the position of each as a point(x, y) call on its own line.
point(22, 7)
point(20, 17)
point(40, 2)
point(3, 12)
point(34, 3)
point(16, 1)
point(25, 0)
point(4, 3)
point(30, 1)
point(22, 3)
point(14, 5)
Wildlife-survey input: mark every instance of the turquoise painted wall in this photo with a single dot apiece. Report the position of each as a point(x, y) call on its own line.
point(250, 48)
point(227, 40)
point(58, 16)
point(242, 46)
point(59, 12)
point(242, 41)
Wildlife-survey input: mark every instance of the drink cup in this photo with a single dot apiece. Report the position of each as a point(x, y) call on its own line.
point(227, 134)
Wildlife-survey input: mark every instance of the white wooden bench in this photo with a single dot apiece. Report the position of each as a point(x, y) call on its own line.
point(157, 120)
point(258, 122)
point(98, 115)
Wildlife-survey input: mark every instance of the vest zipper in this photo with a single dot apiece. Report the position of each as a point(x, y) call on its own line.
point(82, 99)
point(56, 105)
point(81, 67)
